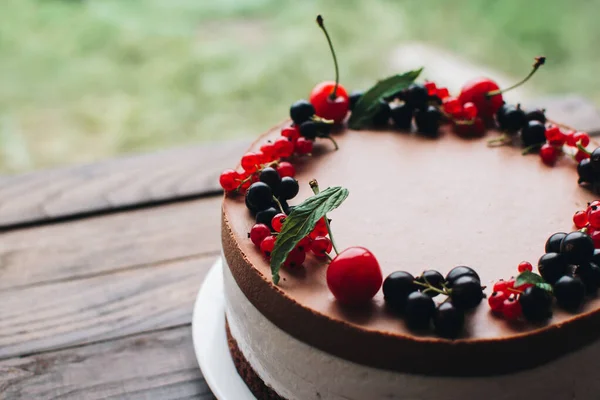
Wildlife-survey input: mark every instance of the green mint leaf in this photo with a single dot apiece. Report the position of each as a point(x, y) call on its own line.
point(545, 285)
point(367, 105)
point(301, 222)
point(528, 277)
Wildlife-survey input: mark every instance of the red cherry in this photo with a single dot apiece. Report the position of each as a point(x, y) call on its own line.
point(229, 180)
point(549, 154)
point(326, 107)
point(452, 106)
point(295, 258)
point(496, 300)
point(476, 92)
point(581, 155)
point(277, 222)
point(291, 132)
point(286, 169)
point(283, 147)
point(470, 110)
point(258, 233)
point(431, 88)
point(304, 146)
point(267, 245)
point(581, 138)
point(580, 219)
point(321, 245)
point(525, 266)
point(442, 93)
point(511, 309)
point(354, 276)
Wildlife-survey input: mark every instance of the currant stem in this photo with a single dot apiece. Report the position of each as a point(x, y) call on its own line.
point(539, 61)
point(337, 72)
point(335, 145)
point(314, 185)
point(429, 287)
point(583, 149)
point(499, 141)
point(529, 149)
point(276, 200)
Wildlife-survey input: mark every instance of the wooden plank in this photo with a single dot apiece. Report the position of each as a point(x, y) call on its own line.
point(158, 365)
point(99, 245)
point(63, 314)
point(115, 184)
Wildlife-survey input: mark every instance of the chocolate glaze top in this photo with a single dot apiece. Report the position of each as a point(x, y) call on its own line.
point(419, 204)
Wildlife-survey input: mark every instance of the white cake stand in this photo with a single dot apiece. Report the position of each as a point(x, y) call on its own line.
point(210, 340)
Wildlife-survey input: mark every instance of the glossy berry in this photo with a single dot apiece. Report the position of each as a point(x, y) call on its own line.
point(229, 180)
point(267, 245)
point(321, 246)
point(552, 266)
point(581, 138)
point(510, 118)
point(554, 134)
point(501, 286)
point(428, 121)
point(475, 129)
point(476, 92)
point(396, 288)
point(525, 266)
point(258, 233)
point(291, 132)
point(266, 216)
point(419, 310)
point(309, 130)
point(303, 146)
point(320, 229)
point(469, 110)
point(496, 300)
point(354, 276)
point(277, 222)
point(593, 217)
point(295, 258)
point(586, 171)
point(416, 96)
point(580, 219)
point(327, 107)
point(250, 162)
point(268, 150)
point(581, 155)
point(453, 107)
point(354, 97)
point(304, 244)
point(442, 93)
point(590, 275)
point(431, 88)
point(466, 292)
point(511, 309)
point(595, 159)
point(554, 241)
point(534, 133)
point(402, 116)
point(536, 304)
point(577, 248)
point(288, 188)
point(569, 292)
point(283, 147)
point(458, 272)
point(286, 169)
point(536, 115)
point(448, 321)
point(381, 118)
point(549, 154)
point(433, 278)
point(271, 177)
point(260, 196)
point(301, 111)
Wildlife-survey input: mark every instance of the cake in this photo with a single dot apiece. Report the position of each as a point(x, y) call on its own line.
point(418, 202)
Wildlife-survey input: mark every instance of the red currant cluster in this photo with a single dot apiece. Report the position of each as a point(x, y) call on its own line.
point(506, 296)
point(589, 221)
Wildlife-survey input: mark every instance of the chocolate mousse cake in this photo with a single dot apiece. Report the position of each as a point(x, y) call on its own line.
point(385, 245)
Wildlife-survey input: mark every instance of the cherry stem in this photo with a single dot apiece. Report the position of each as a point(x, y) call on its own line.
point(539, 61)
point(276, 200)
point(314, 185)
point(329, 257)
point(337, 72)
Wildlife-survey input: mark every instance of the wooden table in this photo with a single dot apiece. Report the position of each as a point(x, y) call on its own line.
point(100, 266)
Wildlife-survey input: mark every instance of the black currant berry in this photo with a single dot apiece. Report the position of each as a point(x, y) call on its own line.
point(554, 241)
point(596, 257)
point(309, 129)
point(402, 116)
point(577, 248)
point(510, 118)
point(301, 111)
point(586, 172)
point(396, 288)
point(569, 292)
point(260, 196)
point(266, 216)
point(428, 121)
point(288, 188)
point(354, 97)
point(381, 118)
point(250, 207)
point(590, 275)
point(271, 177)
point(552, 266)
point(433, 278)
point(416, 96)
point(419, 310)
point(448, 320)
point(536, 115)
point(536, 304)
point(458, 272)
point(466, 292)
point(533, 133)
point(595, 159)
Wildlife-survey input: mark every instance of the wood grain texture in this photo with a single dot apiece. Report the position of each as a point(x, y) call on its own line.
point(99, 245)
point(62, 314)
point(114, 184)
point(158, 365)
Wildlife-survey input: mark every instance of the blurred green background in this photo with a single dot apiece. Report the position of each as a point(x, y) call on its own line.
point(85, 80)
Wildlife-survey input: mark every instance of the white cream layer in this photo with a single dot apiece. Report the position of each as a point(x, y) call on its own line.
point(298, 371)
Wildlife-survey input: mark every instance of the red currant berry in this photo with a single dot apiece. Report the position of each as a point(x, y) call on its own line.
point(549, 154)
point(581, 138)
point(571, 138)
point(470, 110)
point(593, 217)
point(595, 235)
point(431, 88)
point(496, 301)
point(283, 147)
point(320, 229)
point(592, 206)
point(291, 132)
point(581, 155)
point(580, 219)
point(286, 169)
point(246, 181)
point(277, 222)
point(267, 245)
point(229, 180)
point(501, 286)
point(475, 129)
point(452, 106)
point(320, 246)
point(327, 107)
point(304, 244)
point(553, 132)
point(304, 146)
point(354, 276)
point(250, 162)
point(476, 92)
point(295, 258)
point(268, 149)
point(442, 93)
point(525, 266)
point(258, 233)
point(511, 309)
